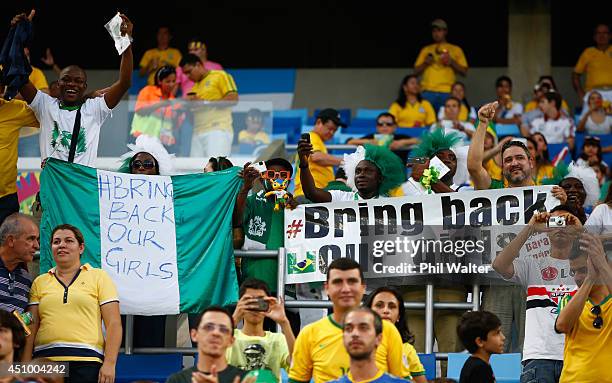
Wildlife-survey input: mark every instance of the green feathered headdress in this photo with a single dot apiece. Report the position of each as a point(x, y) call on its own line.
point(390, 165)
point(433, 142)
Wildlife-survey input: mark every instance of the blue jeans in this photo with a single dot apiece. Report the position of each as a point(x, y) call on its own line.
point(437, 99)
point(541, 371)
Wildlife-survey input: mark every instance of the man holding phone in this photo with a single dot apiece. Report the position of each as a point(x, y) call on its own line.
point(254, 348)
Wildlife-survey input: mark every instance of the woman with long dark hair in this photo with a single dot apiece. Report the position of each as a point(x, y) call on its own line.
point(543, 166)
point(409, 109)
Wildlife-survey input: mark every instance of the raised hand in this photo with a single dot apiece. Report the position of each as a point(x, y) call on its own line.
point(487, 112)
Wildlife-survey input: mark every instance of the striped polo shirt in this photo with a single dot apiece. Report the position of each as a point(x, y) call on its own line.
point(14, 288)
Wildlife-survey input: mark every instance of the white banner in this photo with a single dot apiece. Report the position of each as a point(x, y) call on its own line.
point(392, 231)
point(138, 241)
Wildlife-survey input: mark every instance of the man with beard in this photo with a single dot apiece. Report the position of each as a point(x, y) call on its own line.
point(372, 172)
point(546, 279)
point(505, 301)
point(361, 335)
point(586, 317)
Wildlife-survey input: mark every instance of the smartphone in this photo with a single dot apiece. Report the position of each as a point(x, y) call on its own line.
point(417, 160)
point(262, 305)
point(259, 166)
point(305, 137)
point(191, 94)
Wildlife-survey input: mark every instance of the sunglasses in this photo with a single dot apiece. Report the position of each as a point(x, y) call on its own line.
point(272, 175)
point(147, 164)
point(210, 327)
point(592, 138)
point(598, 321)
point(385, 124)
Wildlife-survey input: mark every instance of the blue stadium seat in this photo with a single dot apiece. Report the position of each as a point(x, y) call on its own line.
point(137, 83)
point(361, 126)
point(280, 136)
point(429, 362)
point(369, 113)
point(506, 367)
point(507, 130)
point(345, 115)
point(155, 367)
point(456, 360)
point(554, 149)
point(287, 125)
point(341, 138)
point(412, 132)
point(285, 113)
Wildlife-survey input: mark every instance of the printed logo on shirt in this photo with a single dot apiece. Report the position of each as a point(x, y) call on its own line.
point(257, 227)
point(549, 273)
point(62, 139)
point(295, 266)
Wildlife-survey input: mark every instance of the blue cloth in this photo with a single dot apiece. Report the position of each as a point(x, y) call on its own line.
point(16, 68)
point(436, 99)
point(384, 378)
point(541, 370)
point(14, 288)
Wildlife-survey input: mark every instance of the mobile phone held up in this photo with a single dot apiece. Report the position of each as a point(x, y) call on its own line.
point(305, 137)
point(259, 166)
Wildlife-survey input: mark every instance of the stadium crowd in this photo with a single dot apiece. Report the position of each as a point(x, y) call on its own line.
point(561, 321)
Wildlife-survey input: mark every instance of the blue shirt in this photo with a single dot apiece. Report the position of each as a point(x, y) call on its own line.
point(14, 288)
point(380, 377)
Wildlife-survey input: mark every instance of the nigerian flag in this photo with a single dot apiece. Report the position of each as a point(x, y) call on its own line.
point(166, 241)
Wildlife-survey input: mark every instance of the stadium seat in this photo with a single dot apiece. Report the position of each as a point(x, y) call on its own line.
point(412, 132)
point(506, 367)
point(361, 126)
point(280, 136)
point(555, 149)
point(429, 362)
point(345, 115)
point(153, 367)
point(138, 83)
point(342, 138)
point(456, 360)
point(369, 113)
point(287, 125)
point(287, 113)
point(507, 130)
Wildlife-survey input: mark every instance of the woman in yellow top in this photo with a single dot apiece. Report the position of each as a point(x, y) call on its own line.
point(545, 84)
point(388, 303)
point(543, 167)
point(68, 305)
point(409, 109)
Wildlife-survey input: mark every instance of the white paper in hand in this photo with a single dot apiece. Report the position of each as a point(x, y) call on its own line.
point(437, 164)
point(114, 29)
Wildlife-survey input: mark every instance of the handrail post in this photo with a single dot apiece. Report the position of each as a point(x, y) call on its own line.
point(280, 285)
point(476, 296)
point(129, 334)
point(429, 311)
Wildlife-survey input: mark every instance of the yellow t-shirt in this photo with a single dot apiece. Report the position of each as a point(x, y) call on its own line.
point(545, 171)
point(438, 77)
point(598, 67)
point(533, 105)
point(213, 87)
point(419, 114)
point(245, 137)
point(170, 56)
point(588, 351)
point(71, 328)
point(14, 115)
point(38, 79)
point(319, 353)
point(414, 363)
point(322, 175)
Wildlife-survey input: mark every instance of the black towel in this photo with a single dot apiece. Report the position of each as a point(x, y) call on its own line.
point(16, 68)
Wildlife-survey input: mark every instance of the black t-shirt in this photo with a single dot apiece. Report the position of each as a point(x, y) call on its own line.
point(403, 154)
point(226, 376)
point(476, 370)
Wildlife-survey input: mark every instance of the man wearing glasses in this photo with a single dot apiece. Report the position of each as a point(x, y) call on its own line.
point(385, 136)
point(586, 318)
point(214, 335)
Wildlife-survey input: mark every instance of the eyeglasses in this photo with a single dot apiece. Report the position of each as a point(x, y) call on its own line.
point(11, 286)
point(210, 327)
point(384, 123)
point(272, 174)
point(598, 321)
point(147, 164)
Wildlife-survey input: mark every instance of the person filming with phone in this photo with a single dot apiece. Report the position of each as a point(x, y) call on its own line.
point(254, 348)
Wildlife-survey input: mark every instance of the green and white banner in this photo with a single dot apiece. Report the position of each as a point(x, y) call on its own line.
point(166, 241)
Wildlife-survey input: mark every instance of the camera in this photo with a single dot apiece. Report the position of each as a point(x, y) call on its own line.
point(556, 221)
point(262, 305)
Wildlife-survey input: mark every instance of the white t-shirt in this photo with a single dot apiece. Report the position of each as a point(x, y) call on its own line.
point(448, 128)
point(555, 131)
point(600, 220)
point(547, 280)
point(517, 108)
point(57, 123)
point(602, 128)
point(412, 187)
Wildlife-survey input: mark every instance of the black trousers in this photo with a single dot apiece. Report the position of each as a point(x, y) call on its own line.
point(83, 372)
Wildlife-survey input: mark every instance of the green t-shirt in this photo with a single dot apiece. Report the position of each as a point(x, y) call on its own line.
point(263, 229)
point(337, 185)
point(268, 352)
point(496, 184)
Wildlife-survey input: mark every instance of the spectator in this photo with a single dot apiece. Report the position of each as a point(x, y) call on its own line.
point(451, 122)
point(591, 154)
point(198, 48)
point(254, 135)
point(466, 112)
point(409, 109)
point(492, 154)
point(57, 117)
point(546, 280)
point(581, 187)
point(508, 302)
point(213, 133)
point(217, 163)
point(508, 111)
point(482, 335)
point(254, 348)
point(543, 167)
point(155, 115)
point(213, 335)
point(389, 304)
point(601, 170)
point(49, 61)
point(596, 64)
point(345, 287)
point(438, 62)
point(162, 55)
point(320, 162)
point(18, 245)
point(556, 127)
point(596, 120)
point(68, 305)
point(585, 317)
point(435, 144)
point(12, 340)
point(372, 172)
point(340, 183)
point(361, 335)
point(545, 84)
point(14, 115)
point(385, 136)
